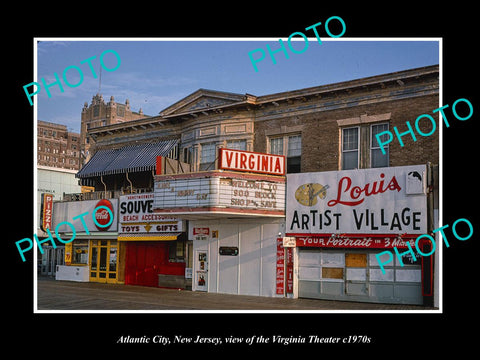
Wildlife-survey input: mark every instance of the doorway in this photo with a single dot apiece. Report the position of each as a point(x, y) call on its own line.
point(103, 261)
point(201, 278)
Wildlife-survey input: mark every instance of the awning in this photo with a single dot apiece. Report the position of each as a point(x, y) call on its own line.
point(132, 158)
point(149, 237)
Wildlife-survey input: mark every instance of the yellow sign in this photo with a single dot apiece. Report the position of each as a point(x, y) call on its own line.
point(308, 194)
point(68, 253)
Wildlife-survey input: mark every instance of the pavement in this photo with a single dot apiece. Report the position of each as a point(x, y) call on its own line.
point(68, 295)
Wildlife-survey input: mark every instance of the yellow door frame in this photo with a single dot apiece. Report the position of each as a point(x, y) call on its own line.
point(101, 249)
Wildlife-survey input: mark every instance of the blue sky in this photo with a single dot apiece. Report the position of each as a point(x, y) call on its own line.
point(155, 74)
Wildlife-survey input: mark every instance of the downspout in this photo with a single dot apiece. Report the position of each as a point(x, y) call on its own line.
point(105, 186)
point(131, 185)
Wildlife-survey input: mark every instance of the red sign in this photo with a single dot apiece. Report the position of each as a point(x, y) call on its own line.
point(47, 208)
point(251, 162)
point(102, 216)
point(289, 277)
point(356, 241)
point(201, 231)
point(280, 270)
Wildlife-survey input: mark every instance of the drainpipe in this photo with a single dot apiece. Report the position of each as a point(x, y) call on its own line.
point(105, 186)
point(131, 186)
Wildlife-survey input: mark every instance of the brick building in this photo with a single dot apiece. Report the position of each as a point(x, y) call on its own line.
point(99, 113)
point(335, 123)
point(57, 147)
point(318, 129)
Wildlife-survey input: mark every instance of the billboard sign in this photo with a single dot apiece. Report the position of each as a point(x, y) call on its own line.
point(364, 201)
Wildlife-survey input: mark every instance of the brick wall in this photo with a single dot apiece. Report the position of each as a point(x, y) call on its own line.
point(321, 133)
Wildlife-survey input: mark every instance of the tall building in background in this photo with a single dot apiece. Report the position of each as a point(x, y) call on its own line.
point(57, 147)
point(99, 113)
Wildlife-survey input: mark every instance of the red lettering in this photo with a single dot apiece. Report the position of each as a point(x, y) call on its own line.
point(243, 160)
point(339, 193)
point(344, 187)
point(251, 163)
point(277, 166)
point(265, 163)
point(229, 160)
point(393, 185)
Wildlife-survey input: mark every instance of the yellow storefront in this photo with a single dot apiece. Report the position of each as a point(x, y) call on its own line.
point(95, 253)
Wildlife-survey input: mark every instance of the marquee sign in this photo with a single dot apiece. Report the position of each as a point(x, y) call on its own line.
point(389, 201)
point(220, 192)
point(248, 161)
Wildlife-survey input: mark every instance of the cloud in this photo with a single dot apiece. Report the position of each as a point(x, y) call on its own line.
point(45, 46)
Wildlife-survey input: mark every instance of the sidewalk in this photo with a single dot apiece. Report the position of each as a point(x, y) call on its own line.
point(66, 295)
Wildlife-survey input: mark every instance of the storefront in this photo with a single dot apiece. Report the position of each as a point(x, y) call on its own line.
point(94, 254)
point(234, 220)
point(156, 246)
point(342, 219)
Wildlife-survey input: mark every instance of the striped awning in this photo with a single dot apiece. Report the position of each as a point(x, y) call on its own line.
point(132, 158)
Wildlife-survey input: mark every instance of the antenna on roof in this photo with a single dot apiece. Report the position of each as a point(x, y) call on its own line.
point(100, 81)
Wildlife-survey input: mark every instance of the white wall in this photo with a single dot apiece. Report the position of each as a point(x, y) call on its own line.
point(252, 271)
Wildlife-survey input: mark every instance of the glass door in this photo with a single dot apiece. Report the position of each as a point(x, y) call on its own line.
point(103, 261)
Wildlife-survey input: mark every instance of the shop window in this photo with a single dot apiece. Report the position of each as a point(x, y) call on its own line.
point(80, 252)
point(176, 251)
point(207, 156)
point(291, 147)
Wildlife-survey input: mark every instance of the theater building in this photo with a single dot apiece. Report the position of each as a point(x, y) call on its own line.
point(230, 243)
point(235, 214)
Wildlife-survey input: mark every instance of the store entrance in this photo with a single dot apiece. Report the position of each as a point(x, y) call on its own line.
point(103, 261)
point(146, 260)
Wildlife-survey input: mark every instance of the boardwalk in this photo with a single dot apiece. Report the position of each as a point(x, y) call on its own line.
point(65, 295)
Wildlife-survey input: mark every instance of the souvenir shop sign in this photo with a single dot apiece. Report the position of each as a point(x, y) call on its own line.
point(365, 201)
point(136, 216)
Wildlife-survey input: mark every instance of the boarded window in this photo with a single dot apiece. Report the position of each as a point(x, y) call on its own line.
point(356, 260)
point(332, 273)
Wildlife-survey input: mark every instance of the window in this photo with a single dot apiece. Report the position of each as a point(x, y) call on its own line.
point(276, 146)
point(237, 144)
point(176, 251)
point(377, 158)
point(294, 154)
point(360, 148)
point(187, 155)
point(291, 147)
point(350, 149)
point(80, 252)
point(207, 156)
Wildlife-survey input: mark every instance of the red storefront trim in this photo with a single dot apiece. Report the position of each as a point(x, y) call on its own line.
point(355, 241)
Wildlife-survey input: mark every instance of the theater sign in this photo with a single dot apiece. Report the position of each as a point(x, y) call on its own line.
point(245, 184)
point(390, 201)
point(220, 192)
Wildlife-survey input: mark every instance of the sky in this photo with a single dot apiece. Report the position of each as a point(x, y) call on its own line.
point(155, 74)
